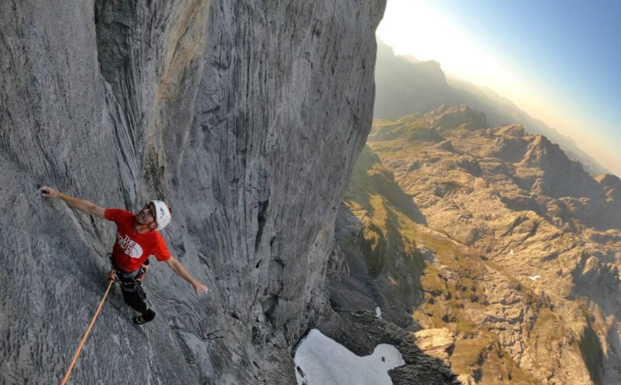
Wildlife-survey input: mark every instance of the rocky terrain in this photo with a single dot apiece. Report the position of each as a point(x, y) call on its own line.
point(245, 116)
point(489, 245)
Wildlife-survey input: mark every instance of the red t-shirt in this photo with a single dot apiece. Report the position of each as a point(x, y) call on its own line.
point(132, 248)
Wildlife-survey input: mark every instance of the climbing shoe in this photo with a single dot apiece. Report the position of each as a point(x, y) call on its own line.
point(147, 316)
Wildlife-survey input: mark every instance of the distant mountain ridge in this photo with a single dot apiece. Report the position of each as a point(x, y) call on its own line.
point(405, 85)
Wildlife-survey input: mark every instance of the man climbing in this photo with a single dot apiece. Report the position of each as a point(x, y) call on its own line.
point(137, 239)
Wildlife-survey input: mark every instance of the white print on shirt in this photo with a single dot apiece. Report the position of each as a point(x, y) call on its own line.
point(130, 247)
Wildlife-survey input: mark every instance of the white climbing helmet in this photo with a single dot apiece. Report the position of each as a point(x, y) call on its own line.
point(163, 214)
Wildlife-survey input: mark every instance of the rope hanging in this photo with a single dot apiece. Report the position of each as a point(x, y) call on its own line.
point(77, 352)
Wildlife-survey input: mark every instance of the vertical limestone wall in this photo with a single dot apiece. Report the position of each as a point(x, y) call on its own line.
point(246, 116)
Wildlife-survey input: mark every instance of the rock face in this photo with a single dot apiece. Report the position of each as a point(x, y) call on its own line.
point(245, 116)
point(361, 332)
point(374, 251)
point(519, 249)
point(436, 342)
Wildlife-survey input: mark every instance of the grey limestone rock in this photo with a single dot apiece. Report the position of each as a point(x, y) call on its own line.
point(246, 116)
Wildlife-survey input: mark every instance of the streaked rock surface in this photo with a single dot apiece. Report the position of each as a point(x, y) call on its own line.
point(245, 116)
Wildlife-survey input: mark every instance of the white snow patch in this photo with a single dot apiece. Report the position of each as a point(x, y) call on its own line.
point(378, 312)
point(320, 360)
point(511, 252)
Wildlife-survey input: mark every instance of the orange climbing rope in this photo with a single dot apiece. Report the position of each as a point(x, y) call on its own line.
point(77, 352)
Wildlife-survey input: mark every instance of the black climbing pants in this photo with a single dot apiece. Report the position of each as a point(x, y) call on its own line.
point(133, 293)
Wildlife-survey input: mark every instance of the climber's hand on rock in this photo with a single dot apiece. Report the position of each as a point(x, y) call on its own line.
point(199, 288)
point(49, 192)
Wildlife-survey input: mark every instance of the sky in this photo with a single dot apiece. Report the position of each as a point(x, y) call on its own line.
point(558, 60)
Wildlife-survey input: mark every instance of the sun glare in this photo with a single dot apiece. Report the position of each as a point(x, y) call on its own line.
point(421, 29)
point(414, 27)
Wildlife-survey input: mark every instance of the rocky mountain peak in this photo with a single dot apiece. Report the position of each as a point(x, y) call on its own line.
point(609, 181)
point(562, 176)
point(450, 117)
point(516, 130)
point(543, 153)
point(430, 70)
point(612, 185)
point(433, 69)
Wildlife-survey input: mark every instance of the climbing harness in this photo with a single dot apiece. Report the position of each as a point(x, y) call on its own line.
point(132, 282)
point(112, 279)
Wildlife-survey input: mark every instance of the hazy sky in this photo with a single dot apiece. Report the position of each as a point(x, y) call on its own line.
point(559, 60)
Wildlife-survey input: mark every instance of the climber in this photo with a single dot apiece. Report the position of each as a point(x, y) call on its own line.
point(137, 238)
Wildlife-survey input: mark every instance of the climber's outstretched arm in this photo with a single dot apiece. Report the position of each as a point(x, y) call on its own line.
point(73, 202)
point(178, 268)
